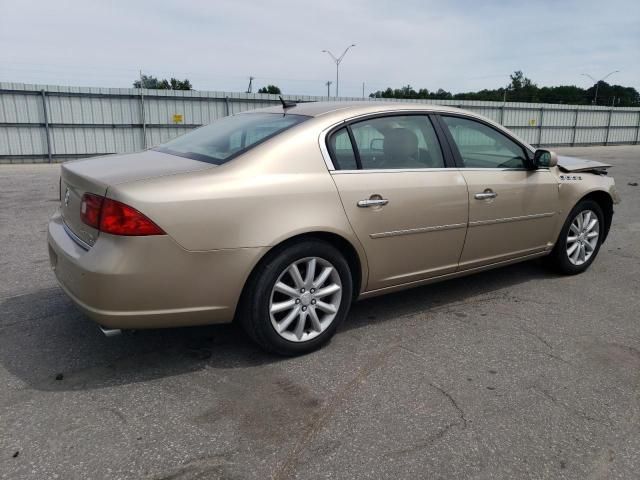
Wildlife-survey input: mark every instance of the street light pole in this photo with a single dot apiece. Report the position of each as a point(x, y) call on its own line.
point(338, 60)
point(595, 98)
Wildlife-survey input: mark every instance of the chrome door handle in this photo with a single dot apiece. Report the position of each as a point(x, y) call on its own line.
point(488, 193)
point(372, 202)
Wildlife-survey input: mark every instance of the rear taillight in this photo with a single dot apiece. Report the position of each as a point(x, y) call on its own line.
point(116, 218)
point(90, 209)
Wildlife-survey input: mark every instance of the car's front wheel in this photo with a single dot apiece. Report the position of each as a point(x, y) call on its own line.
point(297, 298)
point(580, 238)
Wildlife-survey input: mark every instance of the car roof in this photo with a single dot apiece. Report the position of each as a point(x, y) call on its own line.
point(353, 108)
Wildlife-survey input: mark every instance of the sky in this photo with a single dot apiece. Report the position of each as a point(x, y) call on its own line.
point(457, 45)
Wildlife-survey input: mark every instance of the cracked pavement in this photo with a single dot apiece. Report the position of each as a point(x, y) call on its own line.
point(513, 373)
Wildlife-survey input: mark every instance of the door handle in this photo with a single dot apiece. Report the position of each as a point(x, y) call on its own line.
point(488, 193)
point(372, 202)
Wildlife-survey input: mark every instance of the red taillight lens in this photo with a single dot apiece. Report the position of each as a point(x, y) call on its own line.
point(90, 209)
point(116, 218)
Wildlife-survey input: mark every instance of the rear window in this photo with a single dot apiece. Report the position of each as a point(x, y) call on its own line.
point(228, 137)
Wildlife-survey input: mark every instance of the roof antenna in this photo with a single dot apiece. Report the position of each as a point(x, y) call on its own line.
point(286, 103)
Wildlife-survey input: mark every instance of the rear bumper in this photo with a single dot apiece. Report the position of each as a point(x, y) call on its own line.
point(149, 282)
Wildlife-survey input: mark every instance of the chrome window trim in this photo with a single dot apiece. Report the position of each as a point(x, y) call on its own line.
point(392, 170)
point(322, 140)
point(439, 169)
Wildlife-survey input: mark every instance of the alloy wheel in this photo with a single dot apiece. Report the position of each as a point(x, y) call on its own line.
point(582, 238)
point(305, 299)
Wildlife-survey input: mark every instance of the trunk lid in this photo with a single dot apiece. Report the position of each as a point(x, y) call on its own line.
point(571, 164)
point(95, 175)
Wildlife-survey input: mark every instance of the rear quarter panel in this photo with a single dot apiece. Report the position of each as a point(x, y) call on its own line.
point(279, 189)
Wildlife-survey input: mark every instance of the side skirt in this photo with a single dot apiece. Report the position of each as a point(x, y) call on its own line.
point(448, 276)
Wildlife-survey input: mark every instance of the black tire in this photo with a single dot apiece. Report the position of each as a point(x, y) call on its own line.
point(254, 309)
point(559, 259)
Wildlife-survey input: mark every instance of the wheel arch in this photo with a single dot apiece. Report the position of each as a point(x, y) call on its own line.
point(605, 201)
point(357, 264)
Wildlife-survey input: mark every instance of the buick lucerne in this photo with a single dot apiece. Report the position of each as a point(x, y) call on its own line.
point(279, 218)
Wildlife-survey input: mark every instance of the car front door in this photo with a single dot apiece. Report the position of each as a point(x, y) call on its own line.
point(512, 208)
point(407, 208)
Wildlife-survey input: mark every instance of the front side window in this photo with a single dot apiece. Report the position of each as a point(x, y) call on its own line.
point(228, 137)
point(481, 146)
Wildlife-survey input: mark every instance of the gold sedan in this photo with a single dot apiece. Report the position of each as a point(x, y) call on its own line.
point(279, 218)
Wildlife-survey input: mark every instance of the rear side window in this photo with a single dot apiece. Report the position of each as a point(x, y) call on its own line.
point(342, 151)
point(388, 143)
point(228, 137)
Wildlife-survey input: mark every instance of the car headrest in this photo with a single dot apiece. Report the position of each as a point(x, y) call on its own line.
point(400, 143)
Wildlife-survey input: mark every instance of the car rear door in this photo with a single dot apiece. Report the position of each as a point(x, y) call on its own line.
point(512, 208)
point(407, 208)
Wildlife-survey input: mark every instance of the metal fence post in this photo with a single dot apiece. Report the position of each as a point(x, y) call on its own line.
point(502, 115)
point(575, 128)
point(638, 130)
point(540, 127)
point(46, 124)
point(606, 140)
point(226, 104)
point(143, 120)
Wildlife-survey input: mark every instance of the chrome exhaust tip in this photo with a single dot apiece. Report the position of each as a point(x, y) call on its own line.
point(110, 332)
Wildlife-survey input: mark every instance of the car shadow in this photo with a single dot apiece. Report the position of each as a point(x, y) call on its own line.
point(48, 344)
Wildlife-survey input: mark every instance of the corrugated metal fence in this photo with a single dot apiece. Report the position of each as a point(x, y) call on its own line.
point(53, 124)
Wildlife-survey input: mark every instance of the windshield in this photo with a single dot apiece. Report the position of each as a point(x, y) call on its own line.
point(228, 137)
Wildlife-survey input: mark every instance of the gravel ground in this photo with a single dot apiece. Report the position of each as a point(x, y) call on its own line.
point(513, 373)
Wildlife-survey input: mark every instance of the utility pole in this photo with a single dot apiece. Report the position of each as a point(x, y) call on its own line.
point(250, 87)
point(338, 60)
point(597, 82)
point(328, 84)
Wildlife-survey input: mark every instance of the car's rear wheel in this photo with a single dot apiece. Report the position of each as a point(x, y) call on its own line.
point(297, 298)
point(580, 238)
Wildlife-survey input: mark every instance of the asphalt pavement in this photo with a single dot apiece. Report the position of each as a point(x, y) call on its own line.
point(515, 373)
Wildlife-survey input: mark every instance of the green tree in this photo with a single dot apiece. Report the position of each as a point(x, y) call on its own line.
point(523, 89)
point(272, 89)
point(151, 82)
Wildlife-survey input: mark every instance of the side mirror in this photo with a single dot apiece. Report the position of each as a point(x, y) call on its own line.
point(544, 158)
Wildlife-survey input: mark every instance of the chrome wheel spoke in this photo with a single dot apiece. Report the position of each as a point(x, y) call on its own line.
point(311, 272)
point(326, 291)
point(588, 247)
point(572, 239)
point(323, 277)
point(295, 274)
point(326, 307)
point(592, 235)
point(286, 289)
point(282, 306)
point(574, 228)
point(576, 254)
point(591, 224)
point(302, 320)
point(315, 321)
point(286, 321)
point(572, 248)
